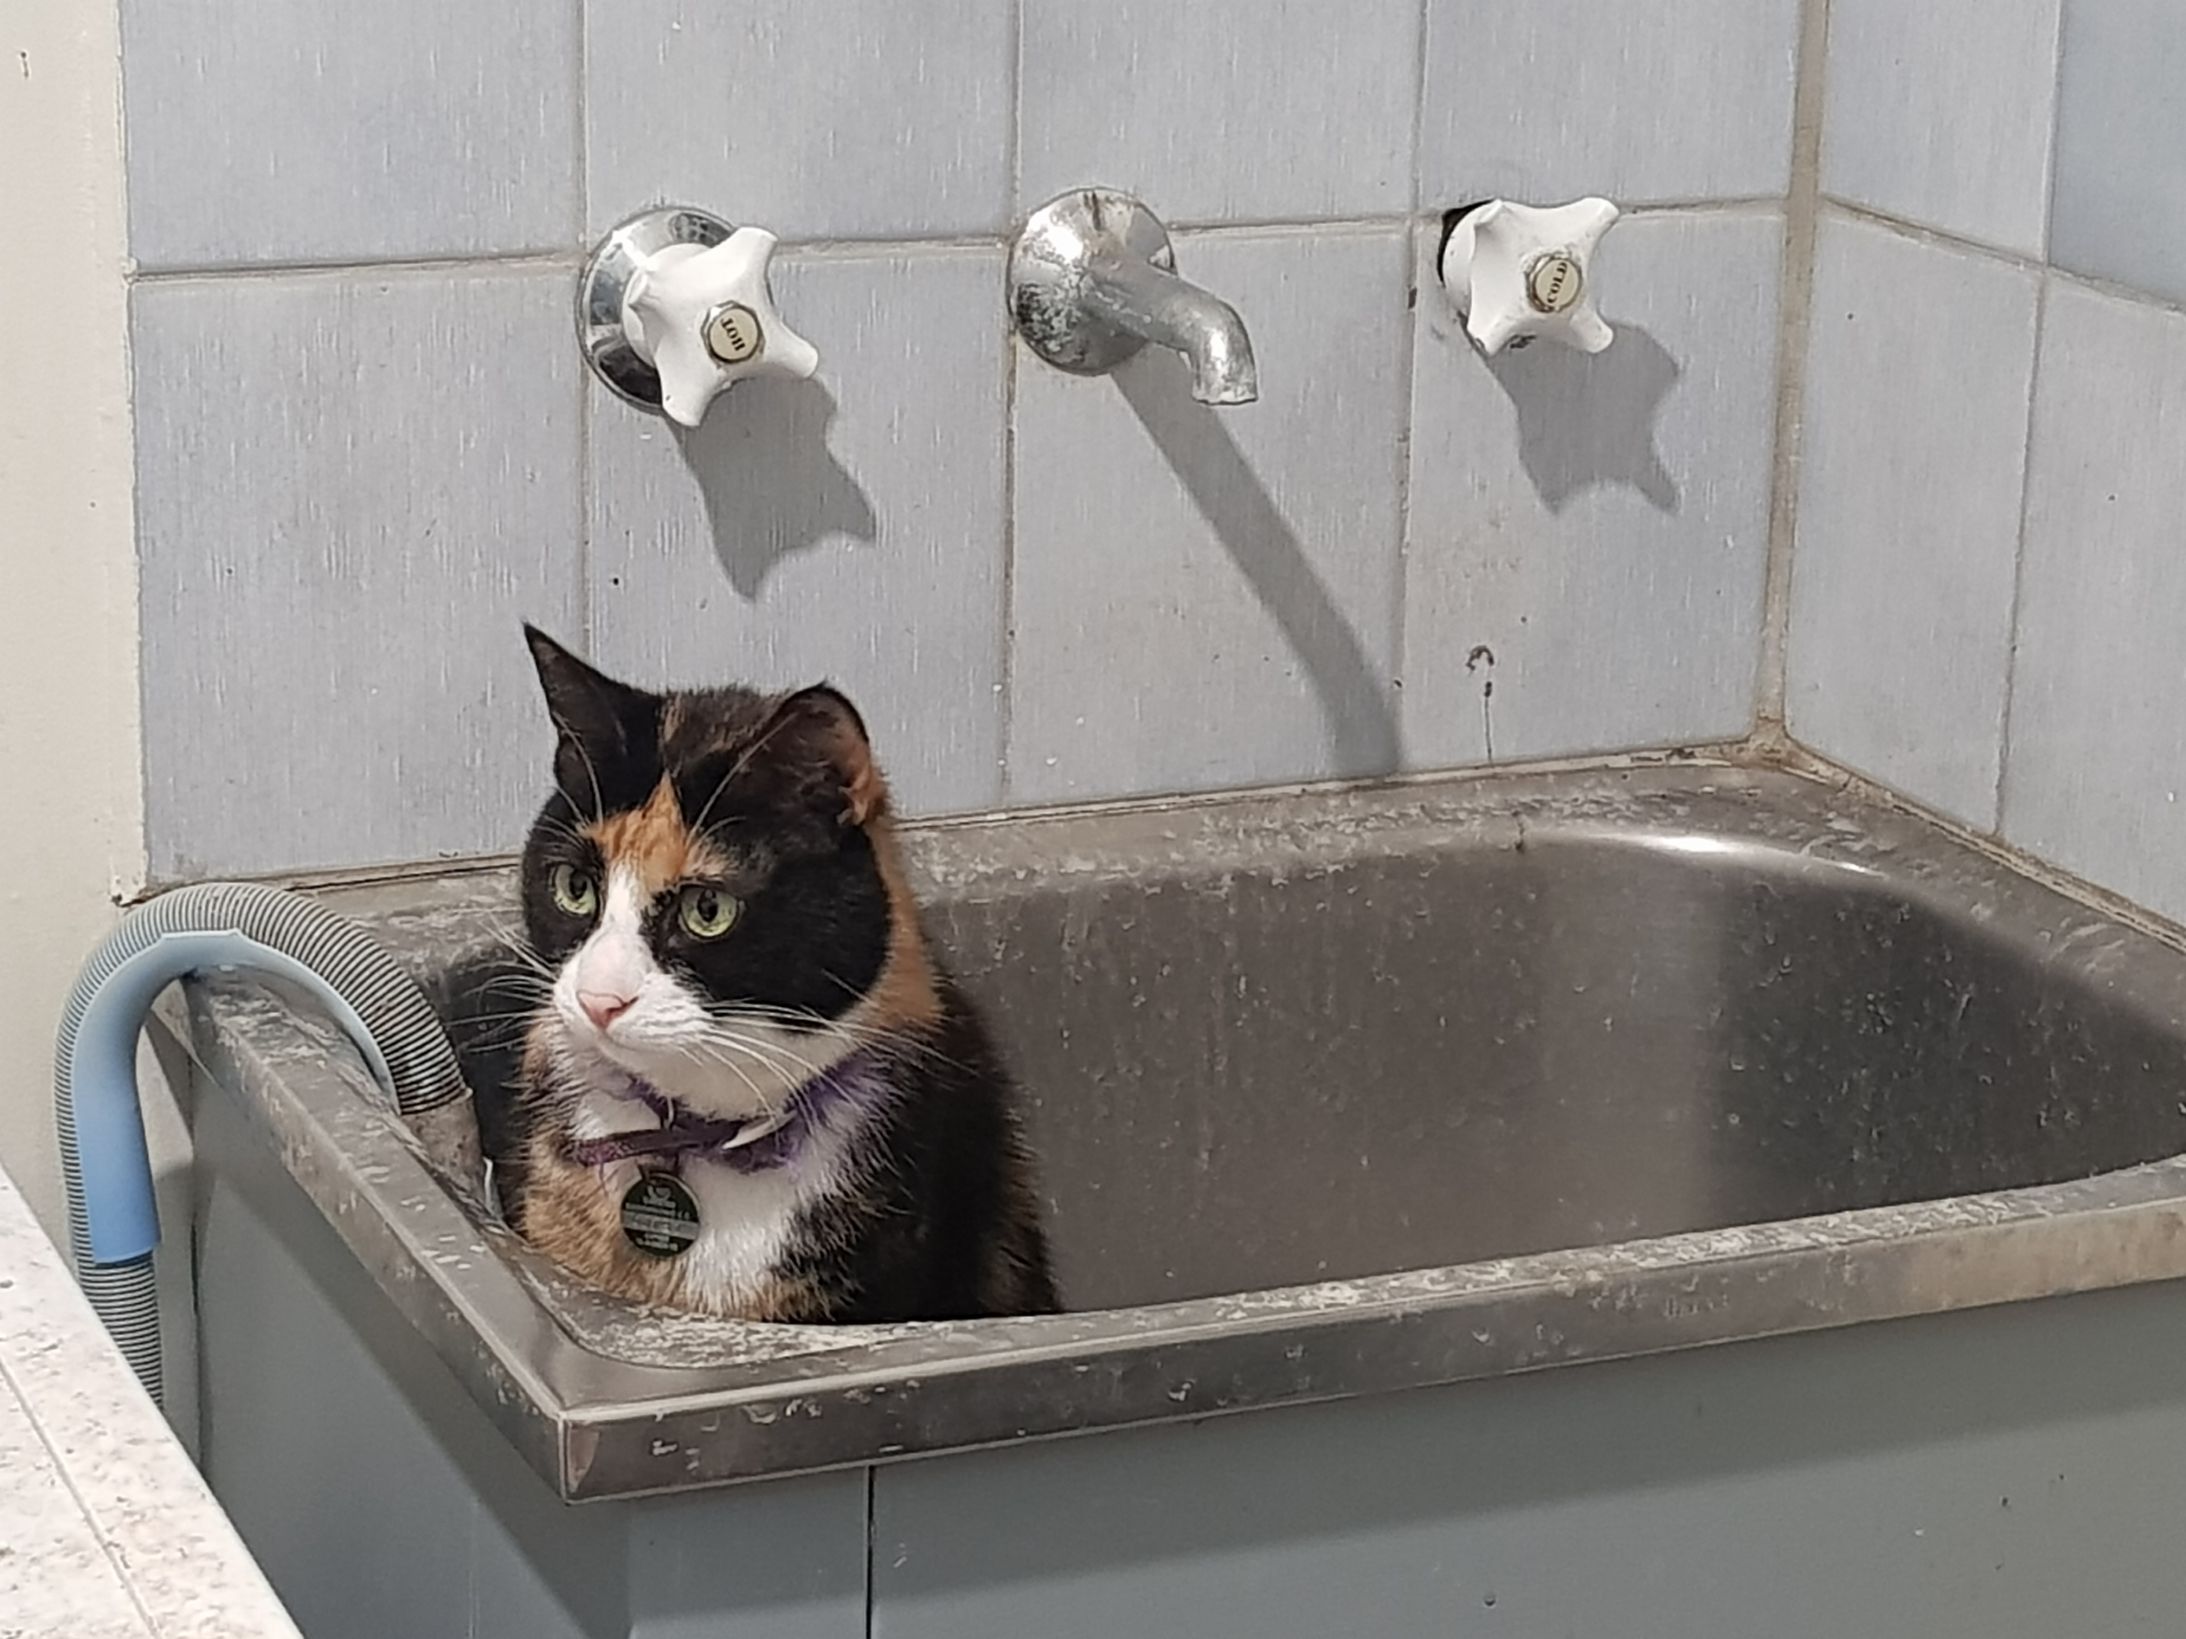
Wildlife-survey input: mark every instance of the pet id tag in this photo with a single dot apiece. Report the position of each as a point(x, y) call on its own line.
point(659, 1215)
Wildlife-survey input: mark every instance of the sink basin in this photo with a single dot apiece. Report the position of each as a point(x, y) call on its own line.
point(1355, 1090)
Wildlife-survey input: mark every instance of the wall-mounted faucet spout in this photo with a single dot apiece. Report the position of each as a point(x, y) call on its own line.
point(1143, 300)
point(1092, 281)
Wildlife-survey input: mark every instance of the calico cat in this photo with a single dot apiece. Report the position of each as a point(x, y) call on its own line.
point(751, 1091)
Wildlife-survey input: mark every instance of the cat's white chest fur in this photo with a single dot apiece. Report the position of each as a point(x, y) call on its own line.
point(744, 1222)
point(745, 1219)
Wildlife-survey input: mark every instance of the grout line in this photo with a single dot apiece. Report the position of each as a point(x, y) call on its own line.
point(489, 261)
point(587, 512)
point(2019, 561)
point(1407, 367)
point(583, 105)
point(1407, 373)
point(1240, 227)
point(1014, 207)
point(1701, 207)
point(1006, 673)
point(1419, 102)
point(568, 259)
point(2111, 290)
point(1922, 233)
point(1795, 303)
point(1006, 669)
point(848, 249)
point(2026, 441)
point(1400, 589)
point(1391, 219)
point(2049, 150)
point(1742, 204)
point(587, 569)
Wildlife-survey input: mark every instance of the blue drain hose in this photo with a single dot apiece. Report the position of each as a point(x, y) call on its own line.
point(112, 1221)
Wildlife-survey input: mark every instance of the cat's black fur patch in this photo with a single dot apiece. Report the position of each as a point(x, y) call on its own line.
point(922, 1244)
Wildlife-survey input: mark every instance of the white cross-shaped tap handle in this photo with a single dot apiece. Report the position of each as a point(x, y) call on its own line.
point(705, 319)
point(1515, 272)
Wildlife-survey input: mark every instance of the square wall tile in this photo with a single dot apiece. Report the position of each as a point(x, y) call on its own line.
point(1588, 538)
point(854, 119)
point(2095, 772)
point(1206, 598)
point(849, 528)
point(1643, 101)
point(1908, 521)
point(2119, 200)
point(1222, 110)
point(1939, 113)
point(319, 132)
point(350, 491)
point(1918, 372)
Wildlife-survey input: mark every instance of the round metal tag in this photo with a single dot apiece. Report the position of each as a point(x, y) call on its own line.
point(659, 1215)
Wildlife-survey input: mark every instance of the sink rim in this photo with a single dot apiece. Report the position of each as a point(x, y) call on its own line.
point(595, 1426)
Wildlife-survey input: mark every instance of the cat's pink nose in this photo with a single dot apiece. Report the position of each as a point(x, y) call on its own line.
point(602, 1007)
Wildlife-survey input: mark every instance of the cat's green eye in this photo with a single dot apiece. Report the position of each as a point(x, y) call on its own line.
point(706, 912)
point(574, 890)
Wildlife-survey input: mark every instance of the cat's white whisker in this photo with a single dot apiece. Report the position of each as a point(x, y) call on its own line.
point(772, 1054)
point(524, 1016)
point(519, 947)
point(808, 1024)
point(802, 1069)
point(715, 1053)
point(522, 983)
point(599, 799)
point(553, 825)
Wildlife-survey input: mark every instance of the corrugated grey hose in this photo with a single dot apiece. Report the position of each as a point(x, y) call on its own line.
point(243, 926)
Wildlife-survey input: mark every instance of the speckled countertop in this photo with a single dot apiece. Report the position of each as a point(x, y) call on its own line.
point(106, 1529)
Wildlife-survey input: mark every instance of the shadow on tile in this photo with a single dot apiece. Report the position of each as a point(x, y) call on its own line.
point(1587, 420)
point(771, 485)
point(1362, 724)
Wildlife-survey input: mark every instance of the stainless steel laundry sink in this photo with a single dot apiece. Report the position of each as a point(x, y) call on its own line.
point(1349, 1091)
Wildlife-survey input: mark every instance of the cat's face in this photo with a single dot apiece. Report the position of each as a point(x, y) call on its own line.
point(705, 889)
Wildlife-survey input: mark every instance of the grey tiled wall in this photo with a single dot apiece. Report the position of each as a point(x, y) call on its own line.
point(356, 476)
point(1989, 565)
point(1909, 511)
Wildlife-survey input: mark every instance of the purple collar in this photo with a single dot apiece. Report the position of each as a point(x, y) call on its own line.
point(749, 1144)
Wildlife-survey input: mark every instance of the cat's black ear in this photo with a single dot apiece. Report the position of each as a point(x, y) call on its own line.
point(601, 720)
point(819, 732)
point(585, 704)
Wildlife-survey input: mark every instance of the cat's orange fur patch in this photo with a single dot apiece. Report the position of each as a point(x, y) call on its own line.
point(865, 793)
point(653, 842)
point(905, 997)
